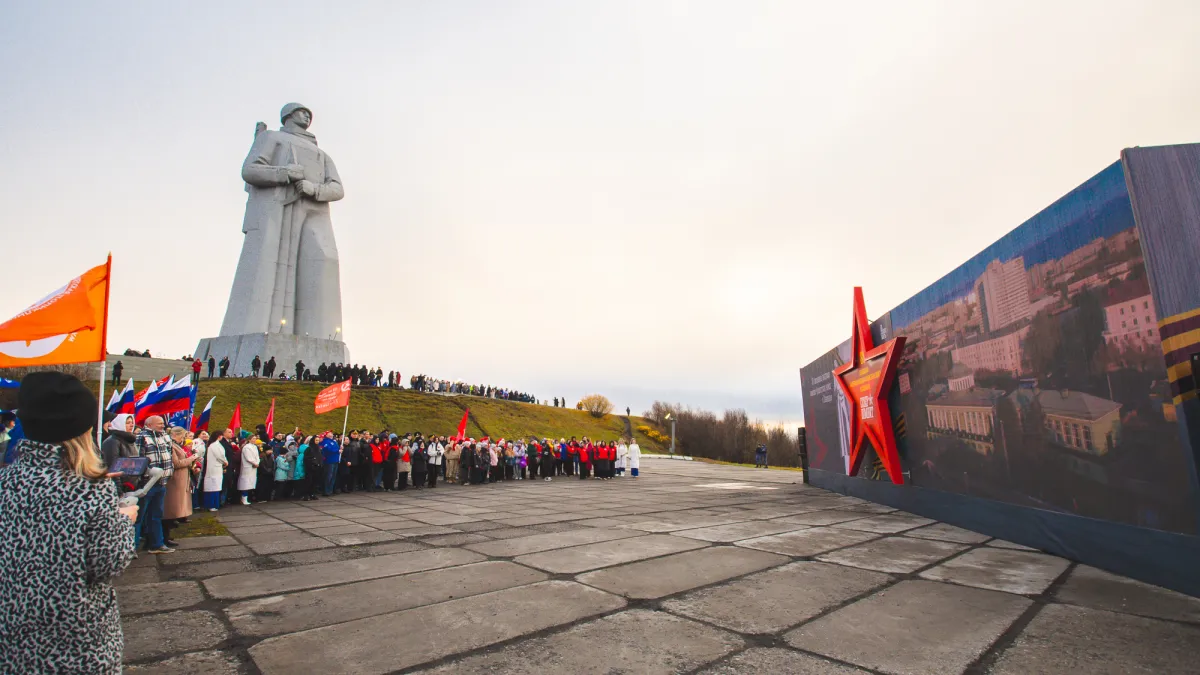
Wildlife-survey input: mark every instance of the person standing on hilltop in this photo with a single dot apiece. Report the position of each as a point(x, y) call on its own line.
point(255, 365)
point(212, 366)
point(197, 366)
point(117, 370)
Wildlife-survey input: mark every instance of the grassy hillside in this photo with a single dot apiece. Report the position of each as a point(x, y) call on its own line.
point(403, 411)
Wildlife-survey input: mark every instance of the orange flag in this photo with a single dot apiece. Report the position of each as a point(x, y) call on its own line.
point(333, 397)
point(68, 326)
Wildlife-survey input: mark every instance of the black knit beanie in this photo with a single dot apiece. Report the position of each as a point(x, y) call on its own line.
point(55, 407)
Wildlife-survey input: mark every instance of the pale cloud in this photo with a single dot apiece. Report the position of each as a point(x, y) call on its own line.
point(650, 199)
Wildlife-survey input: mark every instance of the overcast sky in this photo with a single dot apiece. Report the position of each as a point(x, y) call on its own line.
point(646, 199)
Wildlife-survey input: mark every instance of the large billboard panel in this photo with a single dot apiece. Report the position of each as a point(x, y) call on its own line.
point(1033, 374)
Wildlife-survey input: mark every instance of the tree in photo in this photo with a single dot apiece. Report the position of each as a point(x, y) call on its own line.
point(596, 405)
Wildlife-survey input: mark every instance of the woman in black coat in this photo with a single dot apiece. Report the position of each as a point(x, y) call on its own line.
point(420, 464)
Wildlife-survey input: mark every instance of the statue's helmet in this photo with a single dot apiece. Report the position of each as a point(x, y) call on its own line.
point(291, 108)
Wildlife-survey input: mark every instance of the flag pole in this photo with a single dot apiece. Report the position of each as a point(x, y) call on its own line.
point(344, 423)
point(100, 406)
point(103, 353)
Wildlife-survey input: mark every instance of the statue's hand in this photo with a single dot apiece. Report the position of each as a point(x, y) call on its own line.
point(295, 171)
point(306, 188)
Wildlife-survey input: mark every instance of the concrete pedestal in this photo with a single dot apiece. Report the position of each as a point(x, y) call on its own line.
point(287, 349)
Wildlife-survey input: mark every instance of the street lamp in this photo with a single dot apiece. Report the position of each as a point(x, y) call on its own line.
point(672, 418)
point(282, 323)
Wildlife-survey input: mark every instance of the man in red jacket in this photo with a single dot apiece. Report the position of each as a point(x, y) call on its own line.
point(196, 366)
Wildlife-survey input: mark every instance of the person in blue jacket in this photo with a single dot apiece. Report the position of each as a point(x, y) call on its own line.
point(331, 452)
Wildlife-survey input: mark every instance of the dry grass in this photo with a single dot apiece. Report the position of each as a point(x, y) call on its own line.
point(200, 525)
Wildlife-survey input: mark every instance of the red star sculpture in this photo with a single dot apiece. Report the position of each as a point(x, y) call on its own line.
point(866, 379)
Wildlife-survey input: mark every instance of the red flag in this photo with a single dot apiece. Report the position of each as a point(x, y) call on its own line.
point(462, 426)
point(271, 420)
point(333, 397)
point(236, 422)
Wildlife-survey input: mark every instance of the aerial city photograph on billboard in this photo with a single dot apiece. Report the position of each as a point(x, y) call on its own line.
point(1033, 374)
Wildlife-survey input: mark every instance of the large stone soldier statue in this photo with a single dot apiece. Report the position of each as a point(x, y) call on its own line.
point(287, 278)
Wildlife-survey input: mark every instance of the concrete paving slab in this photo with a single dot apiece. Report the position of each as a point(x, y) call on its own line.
point(189, 543)
point(898, 555)
point(474, 526)
point(246, 520)
point(250, 584)
point(1000, 570)
point(455, 539)
point(195, 663)
point(944, 532)
point(681, 572)
point(152, 635)
point(1066, 639)
point(683, 521)
point(1000, 543)
point(426, 531)
point(773, 600)
point(536, 543)
point(913, 628)
point(391, 547)
point(143, 598)
point(1090, 587)
point(278, 614)
point(677, 646)
point(474, 622)
point(301, 543)
point(269, 537)
point(133, 576)
point(602, 522)
point(767, 661)
point(372, 537)
point(869, 508)
point(495, 531)
point(550, 527)
point(886, 524)
point(209, 569)
point(738, 531)
point(349, 528)
point(256, 529)
point(318, 556)
point(608, 553)
point(437, 518)
point(804, 543)
point(830, 517)
point(186, 556)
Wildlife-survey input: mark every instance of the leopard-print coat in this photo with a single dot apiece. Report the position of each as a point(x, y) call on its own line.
point(61, 541)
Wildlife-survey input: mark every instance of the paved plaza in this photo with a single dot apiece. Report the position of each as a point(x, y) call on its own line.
point(690, 568)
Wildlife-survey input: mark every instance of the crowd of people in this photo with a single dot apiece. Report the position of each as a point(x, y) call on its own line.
point(360, 376)
point(256, 467)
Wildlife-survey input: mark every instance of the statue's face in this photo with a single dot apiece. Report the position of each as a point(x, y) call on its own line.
point(302, 118)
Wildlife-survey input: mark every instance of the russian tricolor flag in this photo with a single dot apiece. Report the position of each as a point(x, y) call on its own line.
point(122, 401)
point(200, 423)
point(175, 396)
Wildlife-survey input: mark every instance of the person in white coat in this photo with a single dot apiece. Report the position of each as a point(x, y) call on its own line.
point(214, 472)
point(248, 478)
point(635, 459)
point(436, 452)
point(622, 457)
